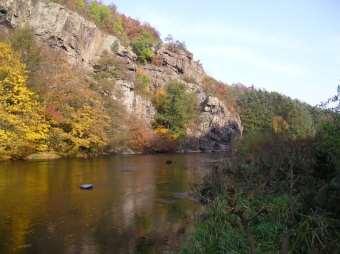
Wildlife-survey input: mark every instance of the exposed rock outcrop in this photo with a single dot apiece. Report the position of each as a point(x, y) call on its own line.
point(61, 28)
point(140, 106)
point(172, 64)
point(217, 126)
point(83, 43)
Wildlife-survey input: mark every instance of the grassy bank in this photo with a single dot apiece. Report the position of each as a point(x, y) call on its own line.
point(275, 195)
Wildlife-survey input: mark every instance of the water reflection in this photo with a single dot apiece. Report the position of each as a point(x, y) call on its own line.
point(134, 208)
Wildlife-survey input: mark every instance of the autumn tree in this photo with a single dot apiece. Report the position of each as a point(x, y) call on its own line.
point(23, 128)
point(76, 112)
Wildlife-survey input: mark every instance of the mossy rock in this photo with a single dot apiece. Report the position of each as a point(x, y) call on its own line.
point(43, 156)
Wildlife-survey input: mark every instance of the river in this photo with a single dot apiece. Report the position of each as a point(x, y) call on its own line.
point(139, 203)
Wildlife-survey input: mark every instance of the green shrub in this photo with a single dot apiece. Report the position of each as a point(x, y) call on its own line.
point(300, 121)
point(327, 148)
point(275, 194)
point(176, 108)
point(99, 12)
point(142, 46)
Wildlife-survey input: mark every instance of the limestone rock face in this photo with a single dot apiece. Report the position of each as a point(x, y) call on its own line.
point(180, 61)
point(141, 107)
point(217, 126)
point(173, 64)
point(60, 28)
point(83, 43)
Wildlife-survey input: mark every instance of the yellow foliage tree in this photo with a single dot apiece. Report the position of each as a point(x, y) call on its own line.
point(83, 132)
point(279, 125)
point(23, 128)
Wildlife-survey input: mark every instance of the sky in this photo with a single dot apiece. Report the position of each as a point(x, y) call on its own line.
point(289, 46)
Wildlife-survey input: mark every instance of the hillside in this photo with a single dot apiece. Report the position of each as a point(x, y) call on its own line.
point(106, 83)
point(113, 86)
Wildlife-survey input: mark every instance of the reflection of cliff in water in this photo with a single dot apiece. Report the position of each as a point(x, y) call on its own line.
point(137, 203)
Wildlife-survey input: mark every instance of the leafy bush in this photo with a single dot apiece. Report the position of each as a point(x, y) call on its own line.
point(99, 12)
point(274, 195)
point(142, 46)
point(327, 148)
point(176, 108)
point(75, 111)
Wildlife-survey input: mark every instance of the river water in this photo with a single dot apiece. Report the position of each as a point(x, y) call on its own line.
point(139, 204)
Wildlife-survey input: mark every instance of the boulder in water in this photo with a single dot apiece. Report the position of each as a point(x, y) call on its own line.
point(87, 186)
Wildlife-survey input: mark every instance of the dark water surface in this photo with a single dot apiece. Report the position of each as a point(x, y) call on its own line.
point(138, 205)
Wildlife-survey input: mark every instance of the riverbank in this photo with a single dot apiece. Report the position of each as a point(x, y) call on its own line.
point(274, 195)
point(47, 156)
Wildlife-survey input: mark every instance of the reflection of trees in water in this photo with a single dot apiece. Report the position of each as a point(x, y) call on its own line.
point(18, 206)
point(133, 205)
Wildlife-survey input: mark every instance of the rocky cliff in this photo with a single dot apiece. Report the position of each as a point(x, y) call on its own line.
point(83, 44)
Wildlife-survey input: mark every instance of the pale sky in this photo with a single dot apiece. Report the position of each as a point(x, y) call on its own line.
point(290, 46)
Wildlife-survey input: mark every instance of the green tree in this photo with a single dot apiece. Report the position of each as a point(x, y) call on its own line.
point(176, 108)
point(142, 46)
point(259, 111)
point(327, 148)
point(301, 123)
point(99, 12)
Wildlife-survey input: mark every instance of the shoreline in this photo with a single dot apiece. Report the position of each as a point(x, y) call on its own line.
point(51, 156)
